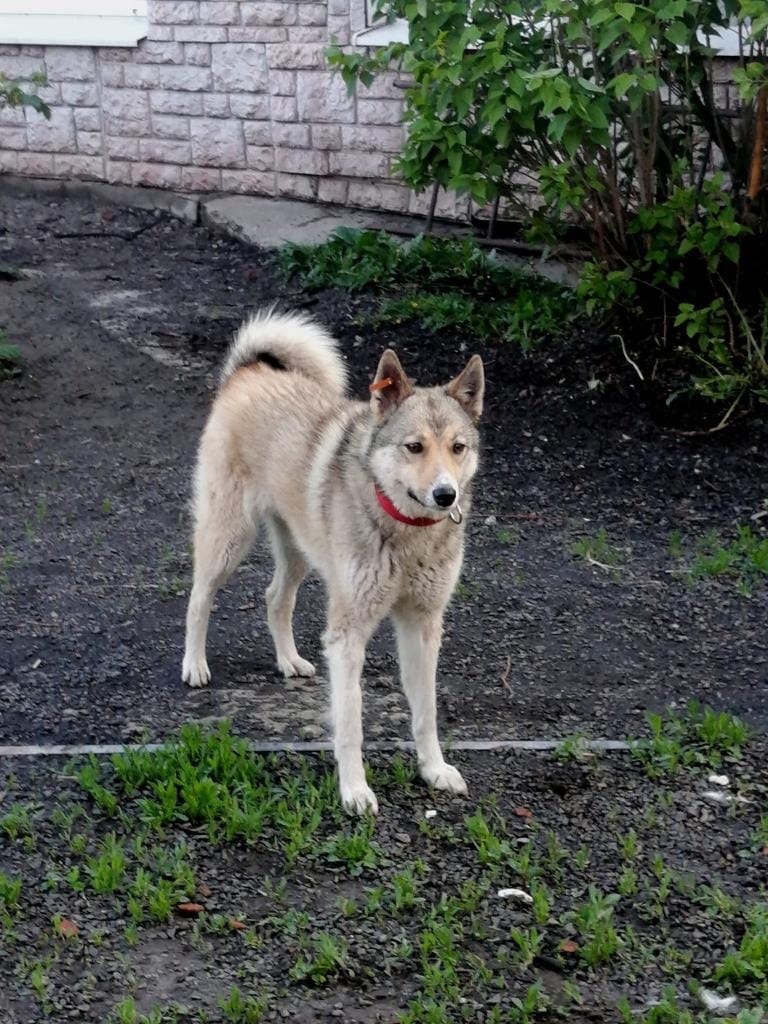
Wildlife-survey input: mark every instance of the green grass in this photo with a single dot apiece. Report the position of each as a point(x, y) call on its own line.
point(749, 962)
point(243, 1009)
point(8, 561)
point(491, 844)
point(171, 577)
point(594, 924)
point(16, 823)
point(760, 838)
point(354, 849)
point(597, 550)
point(533, 316)
point(574, 749)
point(106, 869)
point(325, 890)
point(32, 526)
point(10, 900)
point(699, 737)
point(743, 560)
point(356, 259)
point(211, 781)
point(349, 259)
point(440, 283)
point(126, 1012)
point(325, 960)
point(10, 359)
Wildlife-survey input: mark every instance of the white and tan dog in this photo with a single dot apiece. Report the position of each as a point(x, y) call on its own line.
point(371, 495)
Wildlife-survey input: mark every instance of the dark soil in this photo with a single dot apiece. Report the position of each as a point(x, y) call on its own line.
point(121, 341)
point(699, 868)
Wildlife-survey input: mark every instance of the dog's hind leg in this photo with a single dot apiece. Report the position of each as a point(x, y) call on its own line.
point(223, 537)
point(290, 570)
point(418, 645)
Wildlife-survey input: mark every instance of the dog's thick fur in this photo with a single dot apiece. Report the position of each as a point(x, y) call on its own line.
point(283, 446)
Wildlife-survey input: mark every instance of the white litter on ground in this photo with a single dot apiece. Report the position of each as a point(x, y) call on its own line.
point(430, 813)
point(719, 780)
point(515, 894)
point(719, 1005)
point(719, 796)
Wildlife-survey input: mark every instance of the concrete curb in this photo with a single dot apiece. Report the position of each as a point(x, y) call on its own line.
point(178, 204)
point(304, 747)
point(270, 223)
point(265, 221)
point(257, 220)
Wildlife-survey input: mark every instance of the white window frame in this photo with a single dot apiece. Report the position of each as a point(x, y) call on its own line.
point(379, 32)
point(73, 22)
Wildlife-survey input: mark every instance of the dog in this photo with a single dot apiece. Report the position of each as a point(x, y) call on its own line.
point(373, 496)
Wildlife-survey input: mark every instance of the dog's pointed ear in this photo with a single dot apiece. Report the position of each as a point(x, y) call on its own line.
point(390, 386)
point(469, 387)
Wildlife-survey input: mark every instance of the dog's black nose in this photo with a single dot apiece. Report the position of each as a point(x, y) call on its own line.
point(444, 496)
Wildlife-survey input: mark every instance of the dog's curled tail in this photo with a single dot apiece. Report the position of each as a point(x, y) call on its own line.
point(288, 341)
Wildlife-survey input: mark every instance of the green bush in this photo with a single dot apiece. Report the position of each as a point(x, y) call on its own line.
point(611, 108)
point(438, 282)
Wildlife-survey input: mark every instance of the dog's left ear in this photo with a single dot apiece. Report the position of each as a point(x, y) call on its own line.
point(390, 386)
point(468, 388)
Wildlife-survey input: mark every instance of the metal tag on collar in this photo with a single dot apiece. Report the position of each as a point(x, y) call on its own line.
point(456, 516)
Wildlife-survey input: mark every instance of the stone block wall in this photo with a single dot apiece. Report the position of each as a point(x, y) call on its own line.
point(230, 95)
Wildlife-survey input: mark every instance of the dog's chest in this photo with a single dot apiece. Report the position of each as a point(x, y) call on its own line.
point(427, 577)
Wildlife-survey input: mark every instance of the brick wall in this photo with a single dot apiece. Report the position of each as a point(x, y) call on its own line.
point(231, 95)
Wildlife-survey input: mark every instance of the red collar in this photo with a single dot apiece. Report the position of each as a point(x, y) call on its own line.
point(395, 513)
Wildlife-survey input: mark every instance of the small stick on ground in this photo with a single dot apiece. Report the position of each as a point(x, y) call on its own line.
point(600, 565)
point(629, 359)
point(125, 236)
point(505, 675)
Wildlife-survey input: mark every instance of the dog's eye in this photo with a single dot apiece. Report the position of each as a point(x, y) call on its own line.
point(414, 447)
point(458, 448)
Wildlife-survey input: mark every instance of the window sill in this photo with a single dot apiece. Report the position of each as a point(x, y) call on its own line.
point(382, 35)
point(725, 42)
point(72, 30)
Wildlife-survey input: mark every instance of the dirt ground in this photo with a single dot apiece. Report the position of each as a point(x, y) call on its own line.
point(642, 888)
point(122, 318)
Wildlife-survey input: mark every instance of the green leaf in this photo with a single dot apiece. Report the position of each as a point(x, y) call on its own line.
point(589, 84)
point(609, 35)
point(558, 125)
point(626, 11)
point(622, 83)
point(678, 33)
point(572, 139)
point(639, 32)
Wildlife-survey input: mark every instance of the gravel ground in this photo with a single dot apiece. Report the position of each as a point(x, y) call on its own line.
point(123, 317)
point(412, 903)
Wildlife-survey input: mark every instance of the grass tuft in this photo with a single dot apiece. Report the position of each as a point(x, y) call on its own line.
point(700, 737)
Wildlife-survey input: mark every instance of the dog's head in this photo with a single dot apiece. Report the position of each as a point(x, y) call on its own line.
point(425, 450)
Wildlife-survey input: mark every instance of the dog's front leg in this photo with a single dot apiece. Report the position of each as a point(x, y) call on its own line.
point(345, 651)
point(418, 644)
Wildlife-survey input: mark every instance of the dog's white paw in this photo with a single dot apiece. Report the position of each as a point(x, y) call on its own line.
point(359, 799)
point(195, 671)
point(291, 667)
point(444, 776)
